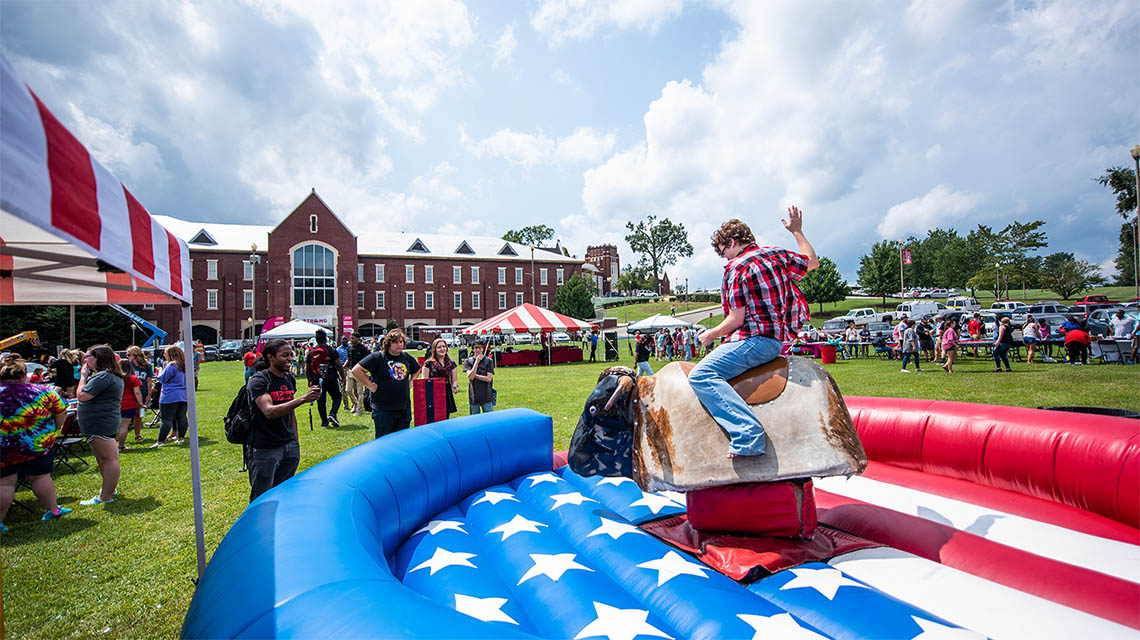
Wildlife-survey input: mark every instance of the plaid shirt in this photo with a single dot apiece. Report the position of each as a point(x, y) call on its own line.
point(761, 281)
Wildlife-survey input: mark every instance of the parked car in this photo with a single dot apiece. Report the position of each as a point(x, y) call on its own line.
point(834, 327)
point(880, 330)
point(866, 315)
point(416, 345)
point(1082, 310)
point(918, 309)
point(1038, 308)
point(522, 338)
point(1100, 320)
point(1094, 299)
point(451, 339)
point(209, 353)
point(1055, 321)
point(1016, 311)
point(560, 336)
point(936, 293)
point(963, 304)
point(231, 350)
point(644, 293)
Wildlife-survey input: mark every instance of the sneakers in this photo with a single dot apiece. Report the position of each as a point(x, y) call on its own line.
point(95, 501)
point(334, 422)
point(905, 370)
point(155, 445)
point(52, 515)
point(3, 528)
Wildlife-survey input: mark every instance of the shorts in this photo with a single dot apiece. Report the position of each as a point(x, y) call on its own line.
point(111, 438)
point(1028, 340)
point(129, 414)
point(38, 466)
point(950, 348)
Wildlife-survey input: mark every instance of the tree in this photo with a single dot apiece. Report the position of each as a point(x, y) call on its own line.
point(1071, 277)
point(1123, 184)
point(659, 243)
point(633, 278)
point(575, 298)
point(879, 269)
point(93, 325)
point(1010, 248)
point(957, 261)
point(531, 236)
point(824, 284)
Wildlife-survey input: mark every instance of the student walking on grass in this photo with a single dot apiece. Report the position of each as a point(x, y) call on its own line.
point(100, 395)
point(949, 342)
point(275, 449)
point(131, 404)
point(762, 308)
point(910, 346)
point(1003, 341)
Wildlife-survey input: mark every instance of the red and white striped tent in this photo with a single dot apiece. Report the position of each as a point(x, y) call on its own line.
point(71, 233)
point(527, 318)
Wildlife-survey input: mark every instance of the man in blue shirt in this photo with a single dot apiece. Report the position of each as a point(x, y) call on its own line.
point(342, 350)
point(593, 346)
point(1069, 324)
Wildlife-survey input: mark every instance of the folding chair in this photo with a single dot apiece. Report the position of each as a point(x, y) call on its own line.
point(69, 444)
point(1110, 351)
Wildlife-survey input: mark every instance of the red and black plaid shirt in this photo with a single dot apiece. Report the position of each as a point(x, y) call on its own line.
point(761, 281)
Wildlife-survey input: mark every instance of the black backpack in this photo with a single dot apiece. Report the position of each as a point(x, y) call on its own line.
point(239, 419)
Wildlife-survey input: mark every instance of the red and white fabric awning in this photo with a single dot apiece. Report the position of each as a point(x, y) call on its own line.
point(70, 233)
point(527, 318)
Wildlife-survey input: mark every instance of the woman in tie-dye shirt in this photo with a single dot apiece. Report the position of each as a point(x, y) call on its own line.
point(29, 417)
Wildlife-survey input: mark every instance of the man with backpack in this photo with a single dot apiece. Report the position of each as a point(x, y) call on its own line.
point(322, 368)
point(274, 443)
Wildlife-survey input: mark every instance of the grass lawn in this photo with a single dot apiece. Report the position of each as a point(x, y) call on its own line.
point(124, 569)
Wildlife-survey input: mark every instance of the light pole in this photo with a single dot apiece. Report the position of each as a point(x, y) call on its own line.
point(254, 260)
point(1136, 225)
point(687, 293)
point(532, 275)
point(250, 320)
point(997, 265)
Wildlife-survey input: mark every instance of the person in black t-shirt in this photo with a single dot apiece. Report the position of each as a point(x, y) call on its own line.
point(643, 353)
point(353, 390)
point(275, 450)
point(322, 368)
point(387, 375)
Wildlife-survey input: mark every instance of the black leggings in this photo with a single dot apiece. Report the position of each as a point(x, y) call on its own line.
point(1078, 352)
point(330, 387)
point(173, 419)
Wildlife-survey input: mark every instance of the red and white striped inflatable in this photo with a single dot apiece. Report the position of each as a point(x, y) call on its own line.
point(527, 318)
point(59, 207)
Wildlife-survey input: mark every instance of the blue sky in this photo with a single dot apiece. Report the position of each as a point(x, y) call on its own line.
point(879, 119)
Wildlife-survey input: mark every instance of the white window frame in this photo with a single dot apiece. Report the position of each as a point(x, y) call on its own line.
point(360, 272)
point(246, 270)
point(518, 275)
point(502, 275)
point(359, 299)
point(246, 299)
point(429, 274)
point(502, 300)
point(457, 300)
point(457, 275)
point(474, 275)
point(542, 276)
point(429, 300)
point(211, 298)
point(475, 300)
point(409, 299)
point(560, 277)
point(410, 273)
point(148, 307)
point(379, 299)
point(379, 273)
point(544, 297)
point(211, 269)
point(518, 298)
point(313, 223)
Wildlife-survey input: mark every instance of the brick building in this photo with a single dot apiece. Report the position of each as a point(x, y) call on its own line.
point(313, 267)
point(605, 258)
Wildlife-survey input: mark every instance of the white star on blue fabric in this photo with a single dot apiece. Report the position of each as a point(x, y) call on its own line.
point(619, 624)
point(574, 498)
point(825, 581)
point(616, 481)
point(546, 477)
point(932, 630)
point(780, 625)
point(435, 526)
point(614, 529)
point(654, 502)
point(552, 566)
point(485, 609)
point(671, 565)
point(495, 497)
point(442, 558)
point(517, 525)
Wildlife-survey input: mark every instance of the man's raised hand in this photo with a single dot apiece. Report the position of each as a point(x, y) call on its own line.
point(795, 224)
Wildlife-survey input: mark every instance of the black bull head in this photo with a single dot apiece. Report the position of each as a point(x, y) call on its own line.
point(603, 441)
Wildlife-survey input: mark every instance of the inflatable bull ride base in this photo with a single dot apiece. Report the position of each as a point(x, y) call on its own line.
point(867, 518)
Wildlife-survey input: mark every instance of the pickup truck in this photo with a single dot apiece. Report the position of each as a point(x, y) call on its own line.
point(867, 315)
point(1095, 299)
point(1016, 311)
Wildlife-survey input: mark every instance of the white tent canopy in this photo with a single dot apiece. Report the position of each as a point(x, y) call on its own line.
point(70, 233)
point(295, 329)
point(527, 318)
point(655, 322)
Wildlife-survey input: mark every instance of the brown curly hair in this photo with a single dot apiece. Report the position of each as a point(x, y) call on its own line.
point(732, 230)
point(392, 336)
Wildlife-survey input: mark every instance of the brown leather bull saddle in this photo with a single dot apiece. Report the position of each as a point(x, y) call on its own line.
point(759, 384)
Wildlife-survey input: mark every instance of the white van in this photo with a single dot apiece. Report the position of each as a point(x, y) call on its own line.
point(918, 309)
point(963, 304)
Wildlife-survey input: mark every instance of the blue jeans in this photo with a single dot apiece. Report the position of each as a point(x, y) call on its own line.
point(709, 380)
point(644, 369)
point(481, 408)
point(907, 355)
point(1000, 356)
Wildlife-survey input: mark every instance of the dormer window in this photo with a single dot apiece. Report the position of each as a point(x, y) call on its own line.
point(313, 223)
point(465, 248)
point(418, 247)
point(507, 250)
point(203, 237)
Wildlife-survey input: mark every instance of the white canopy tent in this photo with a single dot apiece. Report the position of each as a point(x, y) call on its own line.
point(70, 233)
point(655, 322)
point(295, 329)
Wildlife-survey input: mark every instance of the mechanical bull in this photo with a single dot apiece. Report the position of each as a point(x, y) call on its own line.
point(654, 429)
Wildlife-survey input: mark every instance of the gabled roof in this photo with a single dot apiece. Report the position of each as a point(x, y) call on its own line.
point(418, 247)
point(202, 237)
point(464, 248)
point(507, 250)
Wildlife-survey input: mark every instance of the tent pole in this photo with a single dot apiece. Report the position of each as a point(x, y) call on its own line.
point(71, 325)
point(192, 411)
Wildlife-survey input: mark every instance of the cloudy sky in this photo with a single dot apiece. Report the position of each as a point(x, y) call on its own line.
point(879, 119)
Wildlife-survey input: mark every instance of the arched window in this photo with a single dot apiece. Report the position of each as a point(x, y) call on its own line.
point(314, 276)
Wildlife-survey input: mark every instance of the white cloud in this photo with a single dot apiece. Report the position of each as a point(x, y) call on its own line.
point(530, 150)
point(504, 47)
point(940, 207)
point(562, 20)
point(584, 145)
point(118, 148)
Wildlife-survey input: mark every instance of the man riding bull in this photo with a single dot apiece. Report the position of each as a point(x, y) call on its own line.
point(762, 308)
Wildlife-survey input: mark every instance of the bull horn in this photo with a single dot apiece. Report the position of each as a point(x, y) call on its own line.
point(625, 383)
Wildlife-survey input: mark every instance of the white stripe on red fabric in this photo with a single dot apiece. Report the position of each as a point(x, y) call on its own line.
point(25, 190)
point(115, 233)
point(161, 250)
